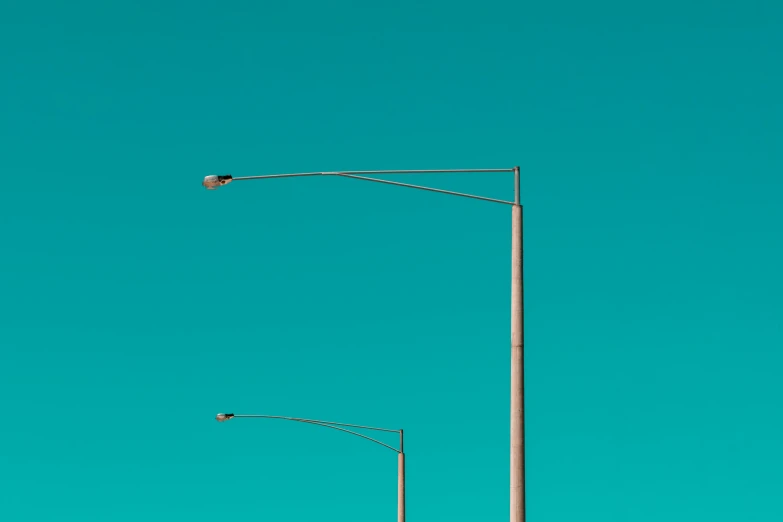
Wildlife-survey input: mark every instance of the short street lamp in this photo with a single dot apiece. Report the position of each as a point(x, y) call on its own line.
point(223, 417)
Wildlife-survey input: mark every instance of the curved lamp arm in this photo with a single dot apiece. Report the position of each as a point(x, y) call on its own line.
point(213, 182)
point(222, 417)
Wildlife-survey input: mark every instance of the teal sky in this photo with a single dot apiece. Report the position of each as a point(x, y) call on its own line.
point(134, 305)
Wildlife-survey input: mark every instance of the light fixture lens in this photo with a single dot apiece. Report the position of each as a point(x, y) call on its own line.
point(214, 181)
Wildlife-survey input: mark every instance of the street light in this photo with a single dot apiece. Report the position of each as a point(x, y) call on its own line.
point(222, 417)
point(517, 459)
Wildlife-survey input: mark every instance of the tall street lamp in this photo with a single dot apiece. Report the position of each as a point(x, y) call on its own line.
point(517, 302)
point(222, 417)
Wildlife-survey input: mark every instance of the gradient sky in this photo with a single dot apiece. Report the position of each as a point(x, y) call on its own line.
point(134, 305)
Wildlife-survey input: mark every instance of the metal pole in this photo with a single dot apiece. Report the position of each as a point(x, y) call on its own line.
point(401, 487)
point(401, 482)
point(517, 362)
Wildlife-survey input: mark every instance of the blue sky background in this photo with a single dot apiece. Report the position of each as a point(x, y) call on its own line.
point(134, 305)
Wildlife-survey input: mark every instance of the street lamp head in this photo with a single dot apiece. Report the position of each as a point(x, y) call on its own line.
point(223, 417)
point(213, 182)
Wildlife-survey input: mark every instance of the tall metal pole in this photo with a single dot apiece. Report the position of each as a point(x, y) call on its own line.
point(401, 483)
point(517, 362)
